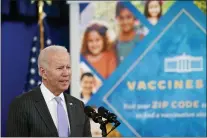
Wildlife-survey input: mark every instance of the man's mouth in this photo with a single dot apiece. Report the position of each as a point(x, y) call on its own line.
point(64, 81)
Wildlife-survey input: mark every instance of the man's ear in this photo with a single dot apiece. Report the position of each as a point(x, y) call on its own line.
point(42, 72)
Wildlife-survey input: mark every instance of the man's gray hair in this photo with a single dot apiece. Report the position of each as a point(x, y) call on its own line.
point(43, 56)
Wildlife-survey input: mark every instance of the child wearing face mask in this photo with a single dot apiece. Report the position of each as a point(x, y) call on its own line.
point(153, 11)
point(97, 49)
point(128, 36)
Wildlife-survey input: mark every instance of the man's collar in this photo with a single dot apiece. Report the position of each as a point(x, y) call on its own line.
point(48, 95)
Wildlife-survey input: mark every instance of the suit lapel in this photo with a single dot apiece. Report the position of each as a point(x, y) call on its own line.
point(71, 113)
point(44, 112)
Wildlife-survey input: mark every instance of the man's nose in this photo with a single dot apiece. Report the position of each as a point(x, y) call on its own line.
point(66, 72)
point(89, 86)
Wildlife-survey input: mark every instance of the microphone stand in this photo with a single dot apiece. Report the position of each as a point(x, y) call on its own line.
point(115, 126)
point(103, 128)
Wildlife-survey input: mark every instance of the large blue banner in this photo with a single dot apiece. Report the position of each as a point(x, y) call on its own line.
point(159, 88)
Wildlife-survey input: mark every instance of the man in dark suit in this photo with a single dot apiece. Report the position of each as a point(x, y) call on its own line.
point(46, 111)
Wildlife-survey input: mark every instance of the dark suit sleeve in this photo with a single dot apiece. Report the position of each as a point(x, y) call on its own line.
point(17, 120)
point(87, 126)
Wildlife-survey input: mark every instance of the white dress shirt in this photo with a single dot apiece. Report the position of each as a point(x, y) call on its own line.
point(52, 104)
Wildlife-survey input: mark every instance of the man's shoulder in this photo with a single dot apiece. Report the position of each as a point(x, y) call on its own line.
point(73, 99)
point(26, 96)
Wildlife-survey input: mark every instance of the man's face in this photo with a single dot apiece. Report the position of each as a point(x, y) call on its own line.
point(126, 20)
point(87, 84)
point(58, 72)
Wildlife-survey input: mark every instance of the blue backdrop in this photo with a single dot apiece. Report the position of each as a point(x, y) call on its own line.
point(160, 88)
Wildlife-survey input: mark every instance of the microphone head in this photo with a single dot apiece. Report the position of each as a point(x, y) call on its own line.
point(89, 111)
point(111, 117)
point(103, 112)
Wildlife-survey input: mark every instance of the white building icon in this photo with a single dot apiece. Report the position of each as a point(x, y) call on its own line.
point(183, 64)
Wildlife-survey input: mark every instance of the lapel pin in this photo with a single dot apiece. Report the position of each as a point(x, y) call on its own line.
point(70, 103)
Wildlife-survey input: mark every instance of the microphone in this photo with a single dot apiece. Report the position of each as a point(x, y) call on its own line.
point(90, 112)
point(111, 117)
